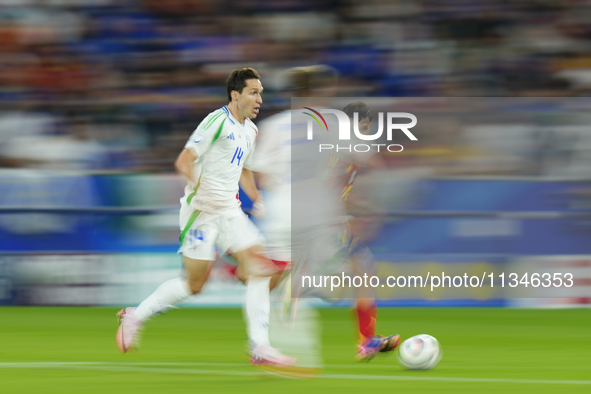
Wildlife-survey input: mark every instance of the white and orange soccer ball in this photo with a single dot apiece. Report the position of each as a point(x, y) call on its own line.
point(420, 352)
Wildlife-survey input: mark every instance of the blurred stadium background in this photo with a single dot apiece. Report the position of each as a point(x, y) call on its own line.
point(98, 97)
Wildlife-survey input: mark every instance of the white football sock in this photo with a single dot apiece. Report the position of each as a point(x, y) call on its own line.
point(257, 309)
point(161, 300)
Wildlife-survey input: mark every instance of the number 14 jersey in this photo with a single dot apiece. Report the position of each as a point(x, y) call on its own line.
point(222, 146)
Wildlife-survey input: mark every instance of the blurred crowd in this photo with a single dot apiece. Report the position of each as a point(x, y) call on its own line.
point(120, 84)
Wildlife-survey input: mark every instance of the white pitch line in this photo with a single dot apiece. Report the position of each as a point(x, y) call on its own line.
point(246, 365)
point(171, 364)
point(136, 367)
point(123, 368)
point(459, 379)
point(476, 367)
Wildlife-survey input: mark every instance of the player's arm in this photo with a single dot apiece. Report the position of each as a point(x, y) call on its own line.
point(199, 142)
point(248, 185)
point(184, 164)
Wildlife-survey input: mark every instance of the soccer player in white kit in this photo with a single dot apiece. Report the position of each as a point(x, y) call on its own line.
point(214, 161)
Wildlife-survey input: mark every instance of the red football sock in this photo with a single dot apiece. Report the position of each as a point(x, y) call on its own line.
point(367, 315)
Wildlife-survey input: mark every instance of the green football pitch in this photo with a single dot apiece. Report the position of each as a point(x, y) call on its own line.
point(488, 350)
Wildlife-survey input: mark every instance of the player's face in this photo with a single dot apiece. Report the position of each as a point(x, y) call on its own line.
point(250, 100)
point(364, 125)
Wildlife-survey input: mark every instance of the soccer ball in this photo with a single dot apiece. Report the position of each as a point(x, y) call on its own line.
point(420, 352)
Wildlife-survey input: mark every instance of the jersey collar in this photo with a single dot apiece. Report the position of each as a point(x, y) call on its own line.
point(232, 118)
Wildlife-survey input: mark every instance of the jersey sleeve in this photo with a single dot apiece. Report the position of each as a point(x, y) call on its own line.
point(205, 134)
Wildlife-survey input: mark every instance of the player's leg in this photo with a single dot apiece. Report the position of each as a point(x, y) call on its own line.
point(366, 310)
point(256, 269)
point(245, 246)
point(162, 299)
point(174, 290)
point(257, 294)
point(276, 278)
point(198, 249)
point(366, 307)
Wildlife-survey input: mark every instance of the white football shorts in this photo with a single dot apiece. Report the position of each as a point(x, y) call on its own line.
point(231, 230)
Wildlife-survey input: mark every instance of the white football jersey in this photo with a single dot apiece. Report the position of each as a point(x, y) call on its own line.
point(222, 146)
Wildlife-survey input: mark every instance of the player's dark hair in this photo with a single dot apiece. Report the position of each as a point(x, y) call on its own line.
point(360, 107)
point(297, 81)
point(303, 81)
point(237, 80)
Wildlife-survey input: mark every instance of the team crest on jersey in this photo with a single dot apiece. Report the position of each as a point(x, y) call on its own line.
point(198, 136)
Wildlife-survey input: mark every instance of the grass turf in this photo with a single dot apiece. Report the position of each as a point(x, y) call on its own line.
point(72, 350)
